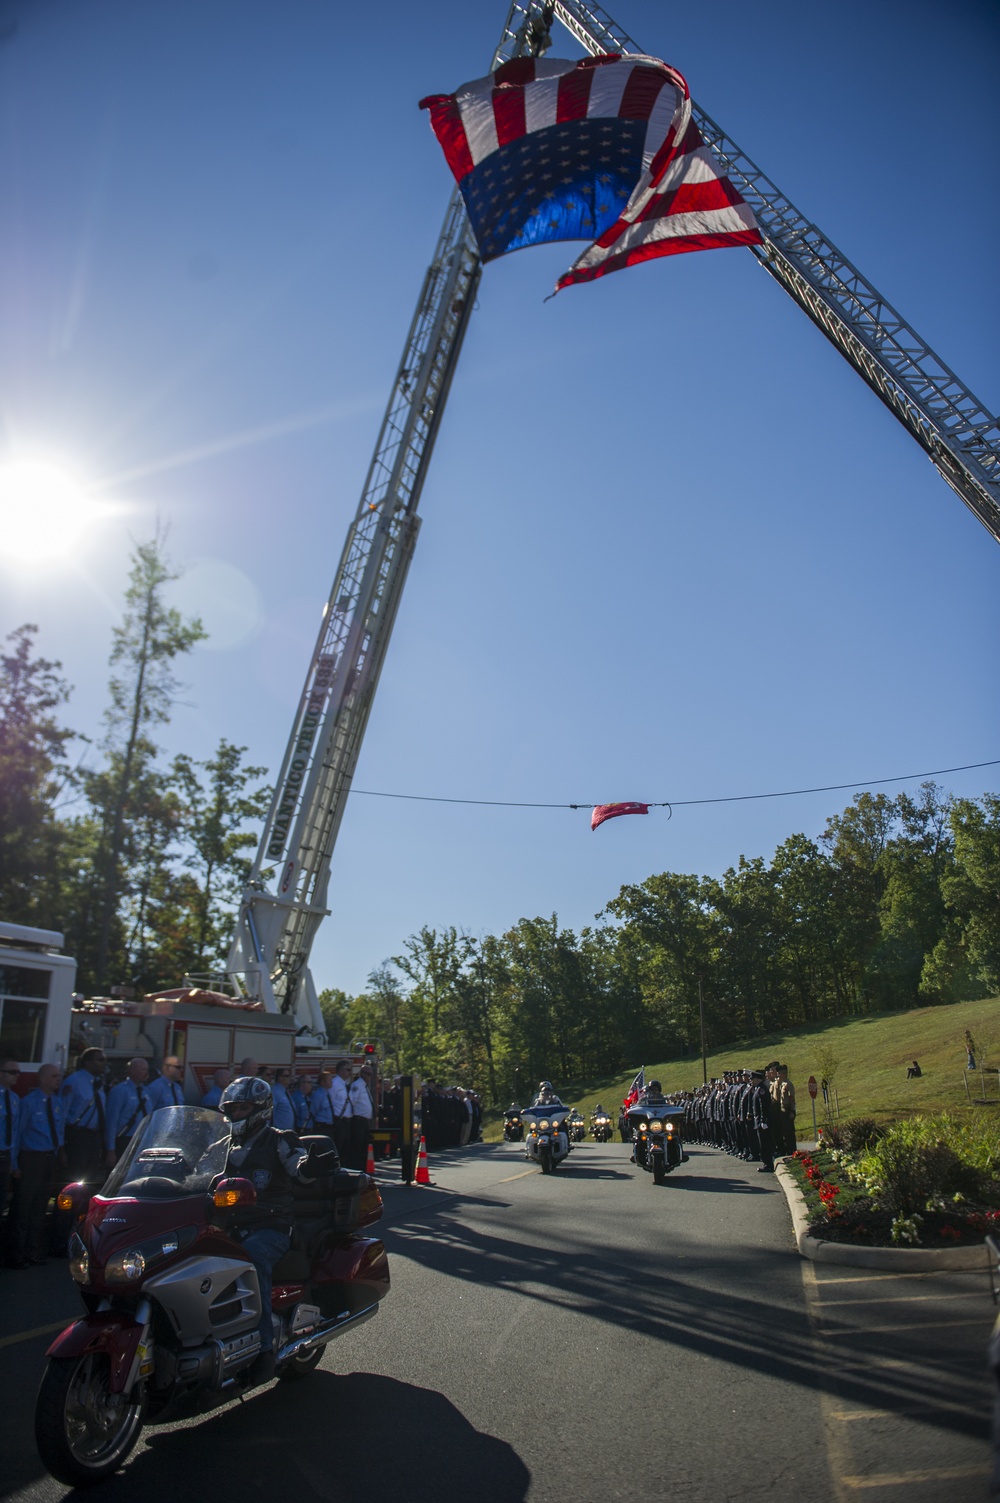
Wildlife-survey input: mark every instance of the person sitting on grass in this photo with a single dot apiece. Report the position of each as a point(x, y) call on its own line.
point(914, 1071)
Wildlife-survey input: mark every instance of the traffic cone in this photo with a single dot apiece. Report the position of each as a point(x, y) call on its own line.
point(423, 1173)
point(370, 1166)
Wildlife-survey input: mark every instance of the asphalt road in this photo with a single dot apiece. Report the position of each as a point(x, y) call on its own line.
point(583, 1336)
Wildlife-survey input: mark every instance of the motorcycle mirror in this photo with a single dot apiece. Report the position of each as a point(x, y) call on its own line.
point(234, 1192)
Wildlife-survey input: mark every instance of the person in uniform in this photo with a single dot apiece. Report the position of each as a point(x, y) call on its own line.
point(39, 1147)
point(341, 1110)
point(362, 1117)
point(760, 1110)
point(270, 1159)
point(302, 1103)
point(322, 1111)
point(85, 1114)
point(213, 1095)
point(284, 1112)
point(10, 1111)
point(168, 1090)
point(128, 1103)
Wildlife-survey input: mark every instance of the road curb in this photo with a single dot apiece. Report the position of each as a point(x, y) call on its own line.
point(889, 1259)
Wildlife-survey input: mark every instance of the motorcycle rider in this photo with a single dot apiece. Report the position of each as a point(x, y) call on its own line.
point(270, 1158)
point(545, 1095)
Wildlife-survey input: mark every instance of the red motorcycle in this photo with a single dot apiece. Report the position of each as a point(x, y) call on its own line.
point(173, 1304)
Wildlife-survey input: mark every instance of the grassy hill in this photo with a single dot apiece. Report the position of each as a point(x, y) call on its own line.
point(865, 1059)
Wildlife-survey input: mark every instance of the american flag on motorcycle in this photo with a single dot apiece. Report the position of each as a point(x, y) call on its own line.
point(638, 1084)
point(603, 149)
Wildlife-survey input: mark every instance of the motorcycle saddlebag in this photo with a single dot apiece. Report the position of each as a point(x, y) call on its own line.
point(350, 1278)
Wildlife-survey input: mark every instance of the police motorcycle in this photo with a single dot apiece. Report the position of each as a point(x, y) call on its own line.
point(657, 1134)
point(601, 1125)
point(547, 1128)
point(577, 1126)
point(172, 1301)
point(513, 1127)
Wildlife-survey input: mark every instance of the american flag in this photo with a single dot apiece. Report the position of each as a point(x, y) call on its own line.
point(638, 1084)
point(604, 149)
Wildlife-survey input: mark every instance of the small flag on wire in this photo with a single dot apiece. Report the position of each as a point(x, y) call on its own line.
point(603, 149)
point(612, 811)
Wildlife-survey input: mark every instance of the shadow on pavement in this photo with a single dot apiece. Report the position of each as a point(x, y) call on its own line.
point(326, 1438)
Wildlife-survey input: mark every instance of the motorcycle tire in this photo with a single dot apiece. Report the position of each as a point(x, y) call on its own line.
point(659, 1171)
point(302, 1366)
point(545, 1160)
point(84, 1432)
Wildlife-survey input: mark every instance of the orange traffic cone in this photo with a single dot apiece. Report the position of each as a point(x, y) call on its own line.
point(423, 1173)
point(370, 1166)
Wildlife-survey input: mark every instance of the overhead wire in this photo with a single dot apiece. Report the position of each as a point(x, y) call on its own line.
point(678, 803)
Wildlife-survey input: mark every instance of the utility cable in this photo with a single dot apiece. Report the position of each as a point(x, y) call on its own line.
point(679, 803)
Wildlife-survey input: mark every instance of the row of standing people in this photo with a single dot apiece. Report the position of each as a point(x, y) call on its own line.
point(450, 1117)
point(747, 1113)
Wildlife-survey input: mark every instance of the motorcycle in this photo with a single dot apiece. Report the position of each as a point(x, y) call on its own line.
point(577, 1127)
point(173, 1304)
point(513, 1127)
point(602, 1127)
point(656, 1137)
point(547, 1141)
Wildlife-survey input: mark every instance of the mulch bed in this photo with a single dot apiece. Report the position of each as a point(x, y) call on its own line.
point(840, 1211)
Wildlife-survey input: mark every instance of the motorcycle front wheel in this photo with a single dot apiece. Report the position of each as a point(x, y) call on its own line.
point(303, 1364)
point(545, 1160)
point(84, 1431)
point(659, 1171)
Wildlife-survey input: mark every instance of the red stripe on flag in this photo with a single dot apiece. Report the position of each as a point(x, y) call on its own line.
point(641, 93)
point(692, 198)
point(574, 95)
point(508, 112)
point(447, 123)
point(519, 71)
point(651, 250)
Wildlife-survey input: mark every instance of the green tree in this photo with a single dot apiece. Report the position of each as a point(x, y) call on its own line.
point(143, 690)
point(33, 774)
point(335, 1006)
point(216, 811)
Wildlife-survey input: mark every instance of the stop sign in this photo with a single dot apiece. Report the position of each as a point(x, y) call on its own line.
point(813, 1086)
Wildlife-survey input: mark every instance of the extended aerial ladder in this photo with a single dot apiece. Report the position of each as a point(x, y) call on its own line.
point(286, 897)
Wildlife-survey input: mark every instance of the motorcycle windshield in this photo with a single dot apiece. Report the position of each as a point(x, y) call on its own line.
point(179, 1150)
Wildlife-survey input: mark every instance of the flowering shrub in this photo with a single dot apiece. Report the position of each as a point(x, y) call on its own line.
point(906, 1229)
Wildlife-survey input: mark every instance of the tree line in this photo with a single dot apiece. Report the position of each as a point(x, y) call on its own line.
point(137, 860)
point(140, 861)
point(897, 903)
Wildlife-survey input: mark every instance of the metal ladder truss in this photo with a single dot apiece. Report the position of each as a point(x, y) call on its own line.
point(286, 899)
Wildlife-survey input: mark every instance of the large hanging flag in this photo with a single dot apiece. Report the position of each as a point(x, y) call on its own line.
point(638, 1085)
point(604, 150)
point(612, 811)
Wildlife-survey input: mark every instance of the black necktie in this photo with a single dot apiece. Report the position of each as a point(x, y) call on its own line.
point(9, 1131)
point(173, 1092)
point(100, 1107)
point(52, 1123)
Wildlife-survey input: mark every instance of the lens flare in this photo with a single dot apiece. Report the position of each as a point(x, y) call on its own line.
point(45, 512)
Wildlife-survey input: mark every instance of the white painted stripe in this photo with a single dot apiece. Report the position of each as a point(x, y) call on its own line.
point(541, 100)
point(607, 89)
point(475, 105)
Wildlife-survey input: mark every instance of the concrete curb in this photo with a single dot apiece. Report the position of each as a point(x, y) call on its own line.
point(889, 1259)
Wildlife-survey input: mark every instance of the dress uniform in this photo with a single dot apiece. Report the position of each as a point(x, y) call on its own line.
point(85, 1108)
point(128, 1103)
point(167, 1090)
point(37, 1147)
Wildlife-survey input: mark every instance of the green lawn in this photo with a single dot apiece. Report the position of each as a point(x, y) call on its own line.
point(871, 1056)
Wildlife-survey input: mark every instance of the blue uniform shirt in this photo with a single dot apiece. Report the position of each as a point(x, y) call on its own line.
point(79, 1100)
point(128, 1103)
point(322, 1111)
point(284, 1115)
point(34, 1131)
point(302, 1107)
point(212, 1097)
point(164, 1092)
point(10, 1112)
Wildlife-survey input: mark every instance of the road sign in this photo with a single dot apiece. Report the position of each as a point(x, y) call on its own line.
point(813, 1087)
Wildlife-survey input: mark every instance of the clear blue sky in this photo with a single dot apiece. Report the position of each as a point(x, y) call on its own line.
point(673, 547)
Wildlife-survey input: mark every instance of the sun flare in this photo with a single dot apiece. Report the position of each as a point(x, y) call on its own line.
point(45, 511)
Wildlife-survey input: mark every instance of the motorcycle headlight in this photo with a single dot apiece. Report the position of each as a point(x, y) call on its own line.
point(670, 1127)
point(656, 1127)
point(125, 1267)
point(543, 1126)
point(79, 1260)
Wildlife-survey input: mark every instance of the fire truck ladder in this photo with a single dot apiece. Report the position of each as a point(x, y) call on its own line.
point(286, 896)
